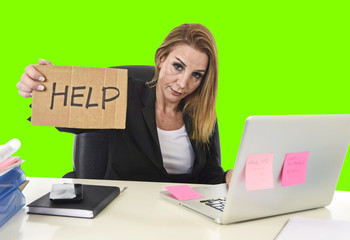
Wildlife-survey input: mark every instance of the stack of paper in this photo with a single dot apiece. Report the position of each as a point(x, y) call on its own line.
point(11, 178)
point(309, 228)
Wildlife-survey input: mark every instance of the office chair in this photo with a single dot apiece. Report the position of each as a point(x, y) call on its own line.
point(90, 150)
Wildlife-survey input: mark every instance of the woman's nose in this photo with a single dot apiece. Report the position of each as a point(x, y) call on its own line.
point(183, 79)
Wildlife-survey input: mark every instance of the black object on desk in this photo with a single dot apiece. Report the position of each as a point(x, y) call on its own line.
point(96, 198)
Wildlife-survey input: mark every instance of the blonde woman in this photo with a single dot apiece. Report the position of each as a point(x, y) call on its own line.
point(171, 131)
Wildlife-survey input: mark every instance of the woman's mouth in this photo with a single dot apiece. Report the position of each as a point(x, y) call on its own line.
point(176, 93)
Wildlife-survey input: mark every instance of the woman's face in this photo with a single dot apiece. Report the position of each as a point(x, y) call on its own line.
point(181, 73)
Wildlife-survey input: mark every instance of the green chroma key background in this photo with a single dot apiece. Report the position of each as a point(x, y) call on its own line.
point(275, 57)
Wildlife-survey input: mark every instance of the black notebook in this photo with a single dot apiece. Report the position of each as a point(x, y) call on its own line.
point(96, 198)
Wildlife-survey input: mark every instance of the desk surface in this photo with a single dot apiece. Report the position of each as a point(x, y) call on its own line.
point(140, 213)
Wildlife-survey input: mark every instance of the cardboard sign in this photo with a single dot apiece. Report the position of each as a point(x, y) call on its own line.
point(81, 97)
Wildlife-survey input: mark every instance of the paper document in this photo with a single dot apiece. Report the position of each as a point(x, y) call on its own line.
point(9, 148)
point(311, 228)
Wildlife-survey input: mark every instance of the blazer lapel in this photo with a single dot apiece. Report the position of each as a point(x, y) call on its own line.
point(197, 148)
point(148, 113)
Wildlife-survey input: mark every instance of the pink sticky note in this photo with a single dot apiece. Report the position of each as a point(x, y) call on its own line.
point(183, 192)
point(258, 171)
point(294, 168)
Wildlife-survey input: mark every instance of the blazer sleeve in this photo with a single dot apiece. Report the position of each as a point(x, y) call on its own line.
point(212, 172)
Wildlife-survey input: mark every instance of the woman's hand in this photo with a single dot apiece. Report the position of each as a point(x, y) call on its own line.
point(31, 79)
point(229, 176)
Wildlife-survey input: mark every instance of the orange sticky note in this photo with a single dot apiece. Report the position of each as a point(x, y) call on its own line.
point(183, 192)
point(294, 168)
point(258, 171)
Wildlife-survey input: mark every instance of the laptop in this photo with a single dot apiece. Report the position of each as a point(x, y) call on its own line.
point(325, 137)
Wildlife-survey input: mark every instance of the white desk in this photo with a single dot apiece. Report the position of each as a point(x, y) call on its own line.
point(140, 213)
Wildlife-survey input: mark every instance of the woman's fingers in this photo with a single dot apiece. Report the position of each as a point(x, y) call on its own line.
point(31, 80)
point(24, 94)
point(44, 62)
point(28, 84)
point(34, 74)
point(23, 88)
point(229, 176)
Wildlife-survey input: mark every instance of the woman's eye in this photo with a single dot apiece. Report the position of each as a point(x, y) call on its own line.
point(177, 66)
point(197, 75)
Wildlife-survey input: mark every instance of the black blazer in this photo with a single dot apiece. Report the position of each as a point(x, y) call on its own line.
point(134, 153)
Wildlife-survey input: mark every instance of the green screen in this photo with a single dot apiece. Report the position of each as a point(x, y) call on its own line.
point(275, 58)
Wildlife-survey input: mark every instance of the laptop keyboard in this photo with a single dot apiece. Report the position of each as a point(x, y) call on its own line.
point(218, 203)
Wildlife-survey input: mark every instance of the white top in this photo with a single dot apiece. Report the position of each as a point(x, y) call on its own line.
point(177, 151)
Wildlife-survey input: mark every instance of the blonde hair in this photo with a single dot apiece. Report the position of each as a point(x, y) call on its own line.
point(200, 105)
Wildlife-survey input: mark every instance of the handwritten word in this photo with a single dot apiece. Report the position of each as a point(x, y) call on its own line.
point(75, 94)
